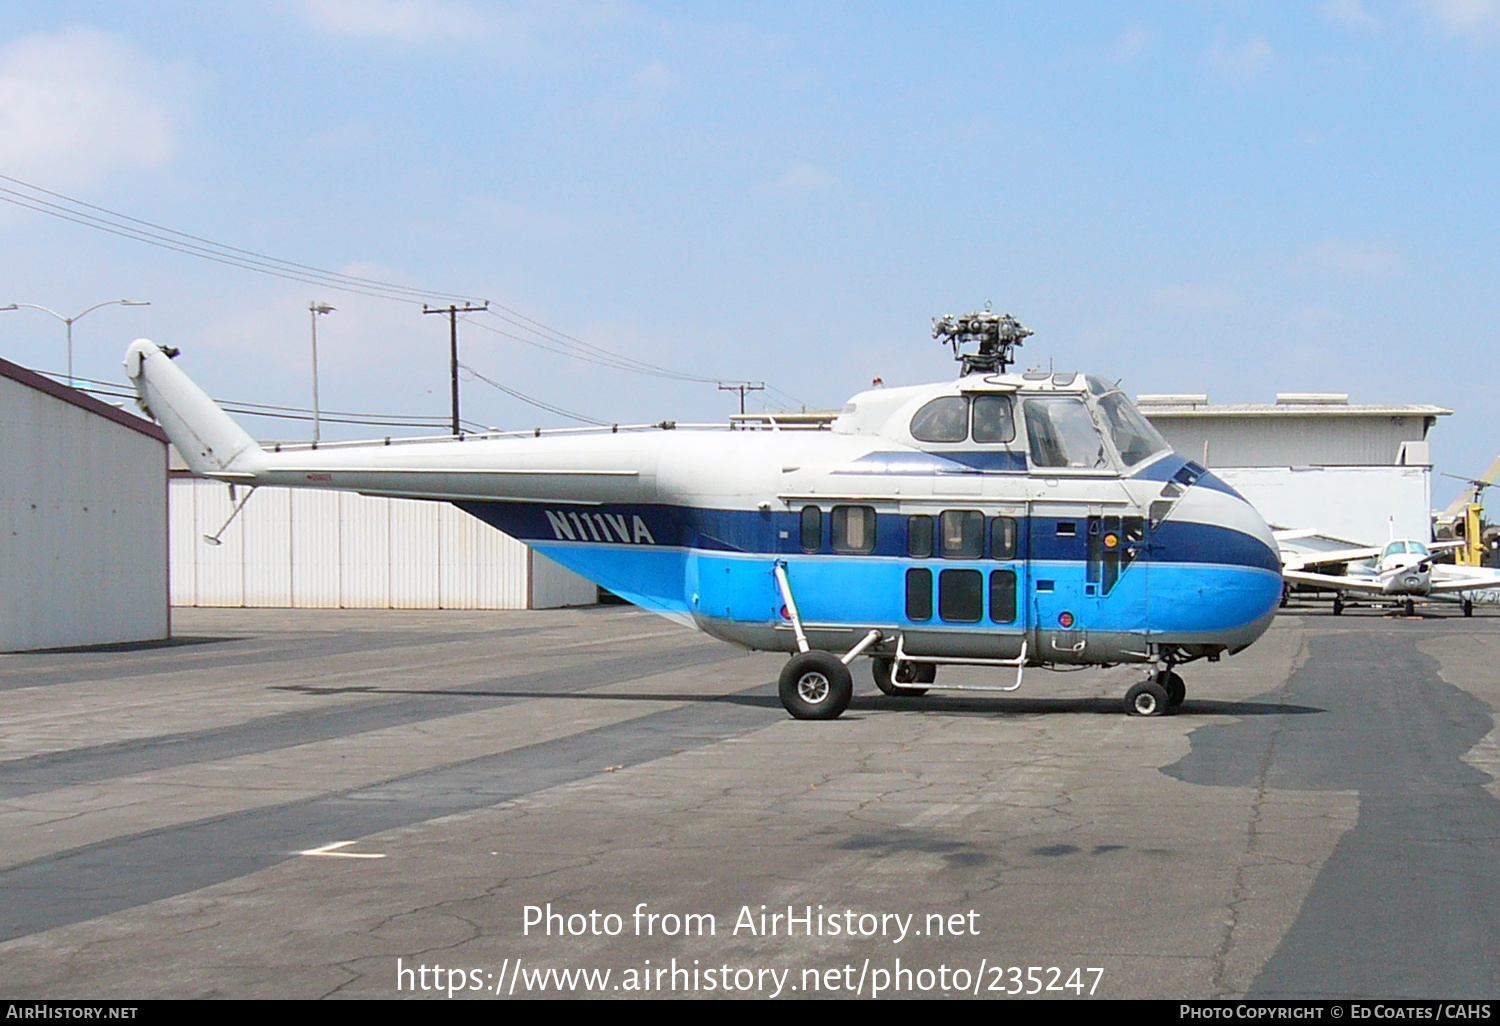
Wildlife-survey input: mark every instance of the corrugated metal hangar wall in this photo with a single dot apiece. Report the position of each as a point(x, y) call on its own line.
point(313, 549)
point(83, 540)
point(1314, 461)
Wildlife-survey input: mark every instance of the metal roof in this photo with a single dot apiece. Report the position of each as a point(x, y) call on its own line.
point(82, 400)
point(1153, 410)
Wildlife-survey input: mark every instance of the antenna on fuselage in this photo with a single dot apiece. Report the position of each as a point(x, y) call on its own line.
point(996, 336)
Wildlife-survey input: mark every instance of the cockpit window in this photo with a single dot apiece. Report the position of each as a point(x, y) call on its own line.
point(942, 420)
point(994, 419)
point(1062, 434)
point(1397, 548)
point(1132, 433)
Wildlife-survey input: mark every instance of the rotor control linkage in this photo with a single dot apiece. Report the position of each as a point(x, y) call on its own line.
point(995, 335)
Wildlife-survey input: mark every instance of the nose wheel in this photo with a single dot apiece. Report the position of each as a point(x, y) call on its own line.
point(903, 681)
point(1162, 694)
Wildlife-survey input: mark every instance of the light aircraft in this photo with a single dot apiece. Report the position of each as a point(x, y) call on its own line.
point(1402, 570)
point(1000, 520)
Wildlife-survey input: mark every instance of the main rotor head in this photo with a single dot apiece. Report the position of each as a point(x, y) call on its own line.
point(995, 336)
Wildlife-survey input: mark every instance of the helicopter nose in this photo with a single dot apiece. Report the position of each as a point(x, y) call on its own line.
point(1216, 573)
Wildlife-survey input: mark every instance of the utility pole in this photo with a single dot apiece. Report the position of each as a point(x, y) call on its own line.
point(742, 387)
point(453, 310)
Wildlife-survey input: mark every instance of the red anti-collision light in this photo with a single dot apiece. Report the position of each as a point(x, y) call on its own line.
point(786, 614)
point(1065, 619)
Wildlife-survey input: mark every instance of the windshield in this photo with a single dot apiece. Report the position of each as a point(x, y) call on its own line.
point(1132, 434)
point(1062, 434)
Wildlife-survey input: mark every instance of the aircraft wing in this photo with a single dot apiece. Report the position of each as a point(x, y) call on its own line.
point(1463, 578)
point(1336, 582)
point(1302, 560)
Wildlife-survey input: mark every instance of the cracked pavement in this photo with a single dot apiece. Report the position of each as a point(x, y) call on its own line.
point(1323, 805)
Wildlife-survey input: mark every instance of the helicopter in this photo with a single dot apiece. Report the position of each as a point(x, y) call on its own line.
point(1002, 520)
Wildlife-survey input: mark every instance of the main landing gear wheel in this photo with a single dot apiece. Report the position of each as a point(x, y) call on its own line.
point(816, 686)
point(1175, 688)
point(890, 683)
point(1411, 607)
point(1338, 604)
point(1468, 607)
point(1147, 698)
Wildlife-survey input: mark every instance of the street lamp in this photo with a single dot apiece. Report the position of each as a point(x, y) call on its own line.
point(69, 320)
point(313, 309)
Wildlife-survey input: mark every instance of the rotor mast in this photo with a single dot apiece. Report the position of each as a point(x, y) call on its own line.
point(995, 336)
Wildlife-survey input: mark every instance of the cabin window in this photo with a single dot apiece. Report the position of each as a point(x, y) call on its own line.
point(961, 596)
point(1003, 536)
point(1003, 596)
point(1133, 435)
point(1063, 435)
point(942, 420)
point(919, 594)
point(812, 529)
point(994, 419)
point(854, 529)
point(962, 534)
point(919, 537)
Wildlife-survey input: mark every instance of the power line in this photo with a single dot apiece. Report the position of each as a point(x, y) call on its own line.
point(539, 404)
point(114, 390)
point(113, 222)
point(89, 215)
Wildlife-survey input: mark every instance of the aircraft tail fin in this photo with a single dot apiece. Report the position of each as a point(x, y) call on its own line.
point(211, 443)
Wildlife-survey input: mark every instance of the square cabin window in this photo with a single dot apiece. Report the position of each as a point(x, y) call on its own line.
point(961, 596)
point(962, 533)
point(854, 529)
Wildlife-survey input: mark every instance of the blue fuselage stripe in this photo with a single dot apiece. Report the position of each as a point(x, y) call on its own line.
point(779, 533)
point(1193, 578)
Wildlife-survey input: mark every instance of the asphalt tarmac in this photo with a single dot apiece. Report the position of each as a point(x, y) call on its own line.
point(498, 805)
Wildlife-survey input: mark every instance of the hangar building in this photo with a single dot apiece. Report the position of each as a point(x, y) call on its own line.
point(1313, 460)
point(83, 524)
point(311, 549)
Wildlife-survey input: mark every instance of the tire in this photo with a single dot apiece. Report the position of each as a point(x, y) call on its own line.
point(816, 686)
point(911, 673)
point(1411, 607)
point(1147, 698)
point(1338, 604)
point(1176, 689)
point(1468, 607)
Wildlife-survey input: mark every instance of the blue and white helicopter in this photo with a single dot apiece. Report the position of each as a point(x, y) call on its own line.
point(1000, 520)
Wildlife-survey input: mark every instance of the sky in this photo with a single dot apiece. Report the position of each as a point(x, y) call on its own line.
point(1192, 196)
